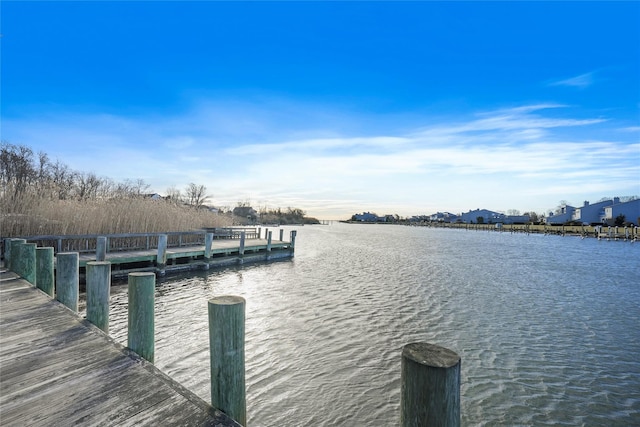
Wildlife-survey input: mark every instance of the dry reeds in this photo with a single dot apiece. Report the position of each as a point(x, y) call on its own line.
point(71, 217)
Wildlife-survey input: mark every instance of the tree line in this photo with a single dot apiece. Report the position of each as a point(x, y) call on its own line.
point(28, 178)
point(25, 173)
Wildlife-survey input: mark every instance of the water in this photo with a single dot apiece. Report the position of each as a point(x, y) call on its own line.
point(547, 326)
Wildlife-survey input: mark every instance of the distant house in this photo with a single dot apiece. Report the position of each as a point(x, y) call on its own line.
point(443, 217)
point(630, 210)
point(564, 215)
point(246, 212)
point(482, 216)
point(419, 218)
point(367, 217)
point(591, 213)
point(153, 196)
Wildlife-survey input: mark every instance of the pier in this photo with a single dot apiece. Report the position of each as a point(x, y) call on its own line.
point(164, 253)
point(58, 369)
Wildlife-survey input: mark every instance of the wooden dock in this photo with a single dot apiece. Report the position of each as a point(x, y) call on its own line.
point(223, 253)
point(57, 369)
point(169, 252)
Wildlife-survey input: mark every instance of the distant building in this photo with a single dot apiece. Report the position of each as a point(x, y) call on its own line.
point(419, 218)
point(482, 216)
point(564, 215)
point(592, 213)
point(246, 212)
point(443, 217)
point(367, 217)
point(630, 210)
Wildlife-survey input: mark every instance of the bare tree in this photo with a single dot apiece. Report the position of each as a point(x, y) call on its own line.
point(87, 186)
point(533, 217)
point(62, 180)
point(17, 170)
point(196, 195)
point(174, 195)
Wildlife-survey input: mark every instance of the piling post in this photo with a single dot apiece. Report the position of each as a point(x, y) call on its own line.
point(430, 393)
point(293, 240)
point(241, 248)
point(161, 258)
point(208, 241)
point(14, 255)
point(101, 248)
point(67, 279)
point(268, 236)
point(98, 293)
point(44, 271)
point(7, 253)
point(281, 234)
point(27, 262)
point(226, 346)
point(242, 239)
point(141, 329)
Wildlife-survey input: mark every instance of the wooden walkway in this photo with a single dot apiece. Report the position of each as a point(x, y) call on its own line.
point(59, 370)
point(219, 248)
point(223, 253)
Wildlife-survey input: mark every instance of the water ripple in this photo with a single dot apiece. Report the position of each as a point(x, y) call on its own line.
point(547, 327)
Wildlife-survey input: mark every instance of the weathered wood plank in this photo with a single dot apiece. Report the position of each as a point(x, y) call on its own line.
point(57, 369)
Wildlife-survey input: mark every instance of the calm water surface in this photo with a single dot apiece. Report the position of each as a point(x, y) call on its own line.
point(547, 327)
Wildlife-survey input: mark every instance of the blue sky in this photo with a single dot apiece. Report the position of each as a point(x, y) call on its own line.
point(334, 107)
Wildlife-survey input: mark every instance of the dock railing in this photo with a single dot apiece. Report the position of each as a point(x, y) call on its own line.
point(88, 243)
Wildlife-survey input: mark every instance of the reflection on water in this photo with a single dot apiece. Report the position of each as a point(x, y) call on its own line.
point(547, 327)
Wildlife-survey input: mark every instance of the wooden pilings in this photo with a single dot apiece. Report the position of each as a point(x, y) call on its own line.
point(281, 234)
point(268, 245)
point(101, 248)
point(6, 252)
point(242, 242)
point(26, 262)
point(293, 240)
point(68, 279)
point(430, 394)
point(45, 279)
point(226, 345)
point(161, 258)
point(208, 242)
point(14, 255)
point(141, 327)
point(98, 283)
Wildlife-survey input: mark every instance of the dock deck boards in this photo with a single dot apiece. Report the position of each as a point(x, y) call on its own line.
point(57, 369)
point(225, 247)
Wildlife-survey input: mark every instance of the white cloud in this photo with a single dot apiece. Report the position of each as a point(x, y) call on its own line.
point(509, 158)
point(581, 82)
